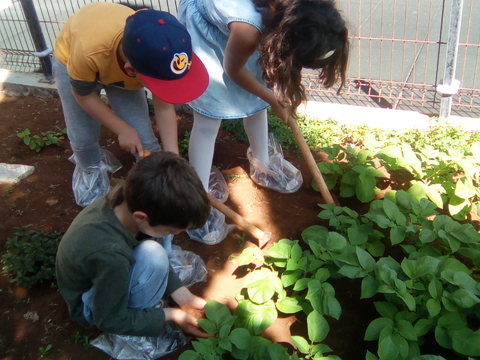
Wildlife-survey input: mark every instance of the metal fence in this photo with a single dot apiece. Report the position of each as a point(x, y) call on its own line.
point(397, 59)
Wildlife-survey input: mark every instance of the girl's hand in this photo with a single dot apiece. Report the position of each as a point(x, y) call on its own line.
point(185, 321)
point(129, 140)
point(281, 111)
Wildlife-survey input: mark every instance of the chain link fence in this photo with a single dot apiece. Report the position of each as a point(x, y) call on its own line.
point(397, 61)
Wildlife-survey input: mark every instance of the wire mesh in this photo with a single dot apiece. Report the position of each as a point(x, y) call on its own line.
point(397, 57)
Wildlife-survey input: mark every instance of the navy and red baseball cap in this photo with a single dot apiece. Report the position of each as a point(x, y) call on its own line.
point(159, 48)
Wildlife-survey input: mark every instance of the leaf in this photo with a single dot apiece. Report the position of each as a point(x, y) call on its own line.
point(407, 330)
point(189, 355)
point(318, 327)
point(208, 325)
point(375, 327)
point(301, 344)
point(249, 255)
point(387, 349)
point(464, 298)
point(240, 338)
point(255, 318)
point(397, 235)
point(218, 313)
point(386, 310)
point(369, 287)
point(434, 307)
point(288, 305)
point(367, 262)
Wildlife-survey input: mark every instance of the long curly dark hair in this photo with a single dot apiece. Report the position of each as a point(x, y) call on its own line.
point(296, 35)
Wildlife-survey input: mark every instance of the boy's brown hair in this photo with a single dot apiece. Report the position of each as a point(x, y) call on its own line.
point(167, 188)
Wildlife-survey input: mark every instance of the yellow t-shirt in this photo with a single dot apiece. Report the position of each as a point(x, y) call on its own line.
point(87, 45)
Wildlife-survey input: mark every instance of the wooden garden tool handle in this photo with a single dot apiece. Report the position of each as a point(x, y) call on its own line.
point(312, 165)
point(262, 236)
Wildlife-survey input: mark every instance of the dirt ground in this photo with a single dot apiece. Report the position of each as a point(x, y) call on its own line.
point(45, 200)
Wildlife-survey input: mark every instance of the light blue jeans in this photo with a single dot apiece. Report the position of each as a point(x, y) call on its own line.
point(84, 131)
point(148, 279)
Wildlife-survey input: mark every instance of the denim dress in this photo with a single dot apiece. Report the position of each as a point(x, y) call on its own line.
point(207, 22)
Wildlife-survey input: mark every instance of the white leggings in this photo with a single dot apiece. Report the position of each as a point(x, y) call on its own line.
point(204, 134)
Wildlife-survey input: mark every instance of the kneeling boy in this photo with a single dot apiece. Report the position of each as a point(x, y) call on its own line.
point(110, 279)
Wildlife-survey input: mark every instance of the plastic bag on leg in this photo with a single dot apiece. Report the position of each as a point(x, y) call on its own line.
point(279, 174)
point(214, 231)
point(126, 347)
point(189, 267)
point(88, 184)
point(217, 186)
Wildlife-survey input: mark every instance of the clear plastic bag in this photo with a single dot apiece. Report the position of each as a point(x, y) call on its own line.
point(189, 267)
point(279, 175)
point(126, 347)
point(214, 231)
point(217, 186)
point(88, 184)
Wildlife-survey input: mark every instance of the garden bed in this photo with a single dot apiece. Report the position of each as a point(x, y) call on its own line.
point(37, 317)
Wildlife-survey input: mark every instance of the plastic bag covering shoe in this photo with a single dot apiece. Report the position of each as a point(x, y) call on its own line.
point(214, 230)
point(126, 347)
point(217, 186)
point(189, 267)
point(88, 184)
point(279, 175)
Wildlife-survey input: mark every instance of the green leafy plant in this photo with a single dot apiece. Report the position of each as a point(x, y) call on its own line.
point(353, 170)
point(30, 256)
point(45, 350)
point(37, 142)
point(184, 143)
point(228, 339)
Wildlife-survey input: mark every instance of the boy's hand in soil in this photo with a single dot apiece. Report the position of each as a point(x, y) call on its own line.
point(185, 321)
point(188, 302)
point(191, 309)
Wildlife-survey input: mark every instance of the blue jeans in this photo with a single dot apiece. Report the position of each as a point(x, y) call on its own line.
point(148, 279)
point(84, 131)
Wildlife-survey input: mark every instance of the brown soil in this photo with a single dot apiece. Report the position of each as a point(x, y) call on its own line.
point(45, 200)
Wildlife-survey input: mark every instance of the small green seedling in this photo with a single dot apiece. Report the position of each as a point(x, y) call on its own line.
point(45, 350)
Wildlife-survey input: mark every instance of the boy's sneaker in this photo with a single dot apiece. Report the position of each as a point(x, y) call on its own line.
point(279, 175)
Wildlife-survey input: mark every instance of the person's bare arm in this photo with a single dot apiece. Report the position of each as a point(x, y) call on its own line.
point(166, 119)
point(128, 138)
point(243, 42)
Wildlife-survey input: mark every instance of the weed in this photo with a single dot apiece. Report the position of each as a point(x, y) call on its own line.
point(12, 159)
point(242, 239)
point(58, 156)
point(30, 256)
point(37, 142)
point(45, 350)
point(20, 212)
point(183, 144)
point(9, 190)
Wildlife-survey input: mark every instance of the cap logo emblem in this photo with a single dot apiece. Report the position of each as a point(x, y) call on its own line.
point(179, 63)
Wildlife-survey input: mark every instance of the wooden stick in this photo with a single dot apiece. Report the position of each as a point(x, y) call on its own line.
point(312, 165)
point(262, 236)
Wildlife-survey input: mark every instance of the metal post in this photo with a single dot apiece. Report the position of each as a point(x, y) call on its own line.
point(450, 85)
point(43, 52)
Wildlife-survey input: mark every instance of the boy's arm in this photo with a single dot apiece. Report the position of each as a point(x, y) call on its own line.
point(166, 119)
point(128, 137)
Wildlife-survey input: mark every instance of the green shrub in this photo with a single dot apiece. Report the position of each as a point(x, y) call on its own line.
point(30, 256)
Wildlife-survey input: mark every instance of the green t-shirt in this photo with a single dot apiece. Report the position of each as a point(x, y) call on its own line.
point(97, 249)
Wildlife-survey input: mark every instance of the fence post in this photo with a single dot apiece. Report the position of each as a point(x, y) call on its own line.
point(43, 52)
point(449, 86)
